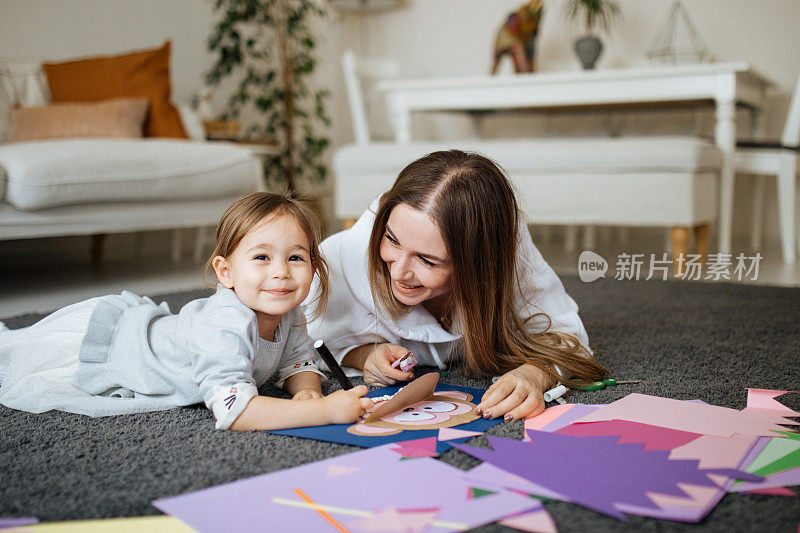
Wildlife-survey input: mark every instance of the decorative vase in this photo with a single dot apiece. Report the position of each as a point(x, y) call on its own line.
point(588, 49)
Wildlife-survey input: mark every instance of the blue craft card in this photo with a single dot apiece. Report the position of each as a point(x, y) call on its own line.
point(338, 432)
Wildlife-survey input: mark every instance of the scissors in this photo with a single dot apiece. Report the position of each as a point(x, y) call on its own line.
point(608, 382)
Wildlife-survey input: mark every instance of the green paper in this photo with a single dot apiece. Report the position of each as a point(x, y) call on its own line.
point(787, 462)
point(477, 493)
point(775, 450)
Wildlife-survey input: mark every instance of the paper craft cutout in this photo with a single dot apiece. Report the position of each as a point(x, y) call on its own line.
point(390, 519)
point(338, 432)
point(693, 417)
point(414, 392)
point(9, 522)
point(454, 434)
point(441, 409)
point(775, 491)
point(779, 455)
point(765, 399)
point(411, 449)
point(339, 470)
point(781, 479)
point(653, 437)
point(576, 464)
point(535, 522)
point(417, 487)
point(489, 475)
point(539, 421)
point(161, 524)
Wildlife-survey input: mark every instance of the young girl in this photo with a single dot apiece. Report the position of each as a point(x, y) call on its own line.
point(444, 265)
point(124, 354)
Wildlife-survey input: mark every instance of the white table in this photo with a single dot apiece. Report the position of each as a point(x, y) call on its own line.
point(722, 84)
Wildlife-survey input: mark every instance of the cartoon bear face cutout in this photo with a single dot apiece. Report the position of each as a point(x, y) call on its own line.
point(443, 409)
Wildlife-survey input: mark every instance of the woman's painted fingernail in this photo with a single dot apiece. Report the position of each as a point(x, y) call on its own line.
point(477, 409)
point(508, 417)
point(487, 414)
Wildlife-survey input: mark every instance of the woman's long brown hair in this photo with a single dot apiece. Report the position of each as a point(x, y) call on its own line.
point(472, 203)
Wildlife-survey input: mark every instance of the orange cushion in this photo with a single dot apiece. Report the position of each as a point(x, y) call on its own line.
point(138, 74)
point(122, 117)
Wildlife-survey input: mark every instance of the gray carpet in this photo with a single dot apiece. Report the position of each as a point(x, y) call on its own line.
point(684, 340)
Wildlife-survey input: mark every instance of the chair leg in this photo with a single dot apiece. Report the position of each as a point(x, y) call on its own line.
point(571, 238)
point(588, 239)
point(680, 244)
point(176, 245)
point(758, 213)
point(701, 233)
point(96, 248)
point(787, 177)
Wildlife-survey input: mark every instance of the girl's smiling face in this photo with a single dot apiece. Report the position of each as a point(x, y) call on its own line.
point(270, 270)
point(415, 255)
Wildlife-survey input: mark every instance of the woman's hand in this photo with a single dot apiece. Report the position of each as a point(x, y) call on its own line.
point(307, 394)
point(378, 365)
point(345, 406)
point(517, 394)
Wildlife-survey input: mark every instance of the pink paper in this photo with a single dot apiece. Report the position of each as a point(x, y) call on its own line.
point(765, 399)
point(539, 421)
point(416, 448)
point(775, 491)
point(693, 417)
point(653, 437)
point(453, 434)
point(535, 522)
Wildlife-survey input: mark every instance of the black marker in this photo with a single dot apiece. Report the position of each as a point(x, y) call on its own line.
point(333, 366)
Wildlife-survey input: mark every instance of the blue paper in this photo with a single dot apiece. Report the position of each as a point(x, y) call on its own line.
point(338, 432)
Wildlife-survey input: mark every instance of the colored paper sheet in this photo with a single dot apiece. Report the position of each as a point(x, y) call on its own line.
point(692, 417)
point(578, 411)
point(534, 522)
point(765, 399)
point(338, 432)
point(575, 464)
point(411, 449)
point(491, 476)
point(775, 450)
point(653, 437)
point(539, 421)
point(775, 491)
point(152, 524)
point(380, 480)
point(9, 522)
point(787, 478)
point(456, 434)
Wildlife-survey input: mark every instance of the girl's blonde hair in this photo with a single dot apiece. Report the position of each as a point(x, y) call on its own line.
point(247, 212)
point(472, 203)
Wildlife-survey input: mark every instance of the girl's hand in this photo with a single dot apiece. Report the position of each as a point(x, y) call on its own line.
point(345, 406)
point(378, 365)
point(307, 394)
point(517, 394)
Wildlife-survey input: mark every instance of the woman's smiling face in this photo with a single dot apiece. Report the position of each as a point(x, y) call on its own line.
point(415, 255)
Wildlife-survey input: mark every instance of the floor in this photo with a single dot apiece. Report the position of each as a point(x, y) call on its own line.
point(41, 288)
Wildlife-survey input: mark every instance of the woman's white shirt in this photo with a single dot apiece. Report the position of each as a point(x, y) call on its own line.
point(350, 319)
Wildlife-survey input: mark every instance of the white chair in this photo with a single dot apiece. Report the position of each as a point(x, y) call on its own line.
point(779, 159)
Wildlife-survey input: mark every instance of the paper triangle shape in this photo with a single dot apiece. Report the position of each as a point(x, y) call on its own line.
point(409, 449)
point(452, 434)
point(477, 492)
point(340, 470)
point(538, 521)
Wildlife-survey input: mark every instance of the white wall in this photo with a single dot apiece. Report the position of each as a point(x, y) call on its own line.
point(428, 37)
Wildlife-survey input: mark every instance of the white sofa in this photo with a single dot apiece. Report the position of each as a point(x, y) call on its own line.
point(98, 186)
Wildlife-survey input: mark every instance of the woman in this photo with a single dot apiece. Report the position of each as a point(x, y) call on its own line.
point(443, 265)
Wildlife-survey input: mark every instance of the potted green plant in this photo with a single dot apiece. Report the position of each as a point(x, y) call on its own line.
point(591, 13)
point(268, 47)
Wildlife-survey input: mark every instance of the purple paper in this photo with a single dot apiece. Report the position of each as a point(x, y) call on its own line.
point(597, 472)
point(787, 478)
point(7, 522)
point(351, 487)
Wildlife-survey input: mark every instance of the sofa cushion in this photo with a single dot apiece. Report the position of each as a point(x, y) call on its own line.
point(43, 174)
point(121, 117)
point(137, 74)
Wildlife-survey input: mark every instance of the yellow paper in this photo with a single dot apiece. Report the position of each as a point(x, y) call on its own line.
point(151, 524)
